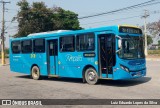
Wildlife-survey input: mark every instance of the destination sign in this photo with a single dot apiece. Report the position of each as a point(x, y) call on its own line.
point(130, 30)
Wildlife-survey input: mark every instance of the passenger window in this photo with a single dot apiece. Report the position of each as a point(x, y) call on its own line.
point(85, 42)
point(39, 45)
point(67, 44)
point(27, 46)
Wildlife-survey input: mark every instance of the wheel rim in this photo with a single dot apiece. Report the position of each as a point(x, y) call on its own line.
point(91, 76)
point(35, 73)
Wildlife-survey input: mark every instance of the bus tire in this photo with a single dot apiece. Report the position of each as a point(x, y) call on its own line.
point(35, 72)
point(91, 76)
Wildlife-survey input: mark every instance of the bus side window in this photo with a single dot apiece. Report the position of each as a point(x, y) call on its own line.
point(39, 45)
point(67, 44)
point(16, 47)
point(26, 46)
point(85, 42)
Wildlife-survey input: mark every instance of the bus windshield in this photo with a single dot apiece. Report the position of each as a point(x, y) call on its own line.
point(132, 47)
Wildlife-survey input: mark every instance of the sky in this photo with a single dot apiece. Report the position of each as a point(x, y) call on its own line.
point(89, 7)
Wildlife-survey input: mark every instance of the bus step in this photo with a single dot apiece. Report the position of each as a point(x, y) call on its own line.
point(55, 76)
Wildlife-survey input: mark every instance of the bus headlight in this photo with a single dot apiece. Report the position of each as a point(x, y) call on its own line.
point(124, 68)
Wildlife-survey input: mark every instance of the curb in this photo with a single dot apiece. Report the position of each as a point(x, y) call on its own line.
point(5, 64)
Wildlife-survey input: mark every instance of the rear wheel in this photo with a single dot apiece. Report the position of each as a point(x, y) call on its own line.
point(91, 76)
point(35, 72)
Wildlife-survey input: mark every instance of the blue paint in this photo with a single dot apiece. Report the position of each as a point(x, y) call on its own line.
point(72, 64)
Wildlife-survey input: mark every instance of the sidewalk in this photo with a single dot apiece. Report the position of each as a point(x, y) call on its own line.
point(153, 58)
point(7, 62)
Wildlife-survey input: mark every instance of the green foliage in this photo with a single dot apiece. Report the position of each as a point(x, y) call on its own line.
point(38, 18)
point(6, 51)
point(149, 40)
point(154, 52)
point(6, 56)
point(159, 44)
point(65, 20)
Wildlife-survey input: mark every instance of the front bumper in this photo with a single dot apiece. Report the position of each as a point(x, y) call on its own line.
point(121, 74)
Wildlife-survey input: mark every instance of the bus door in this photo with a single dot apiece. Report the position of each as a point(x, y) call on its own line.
point(106, 54)
point(52, 56)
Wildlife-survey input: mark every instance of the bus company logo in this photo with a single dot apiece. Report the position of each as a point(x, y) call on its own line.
point(72, 58)
point(6, 102)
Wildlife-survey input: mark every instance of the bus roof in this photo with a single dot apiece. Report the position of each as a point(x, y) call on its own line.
point(42, 33)
point(70, 32)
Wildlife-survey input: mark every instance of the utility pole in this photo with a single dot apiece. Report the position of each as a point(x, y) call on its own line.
point(2, 33)
point(146, 14)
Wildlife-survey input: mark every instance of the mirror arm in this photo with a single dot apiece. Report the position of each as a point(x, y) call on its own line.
point(118, 37)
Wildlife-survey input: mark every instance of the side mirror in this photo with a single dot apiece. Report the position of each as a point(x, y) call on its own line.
point(119, 43)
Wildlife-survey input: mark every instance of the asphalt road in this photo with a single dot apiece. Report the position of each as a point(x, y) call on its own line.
point(20, 86)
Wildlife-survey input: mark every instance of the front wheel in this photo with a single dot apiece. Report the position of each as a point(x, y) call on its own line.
point(91, 76)
point(35, 73)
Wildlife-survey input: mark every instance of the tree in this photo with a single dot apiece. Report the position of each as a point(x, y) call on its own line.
point(149, 40)
point(65, 19)
point(38, 18)
point(6, 50)
point(154, 28)
point(159, 44)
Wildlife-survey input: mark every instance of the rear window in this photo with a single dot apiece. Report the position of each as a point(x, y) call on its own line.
point(16, 47)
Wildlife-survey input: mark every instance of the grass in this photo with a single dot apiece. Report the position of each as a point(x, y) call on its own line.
point(154, 52)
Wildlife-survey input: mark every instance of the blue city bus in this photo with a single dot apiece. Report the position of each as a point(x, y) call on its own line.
point(111, 52)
